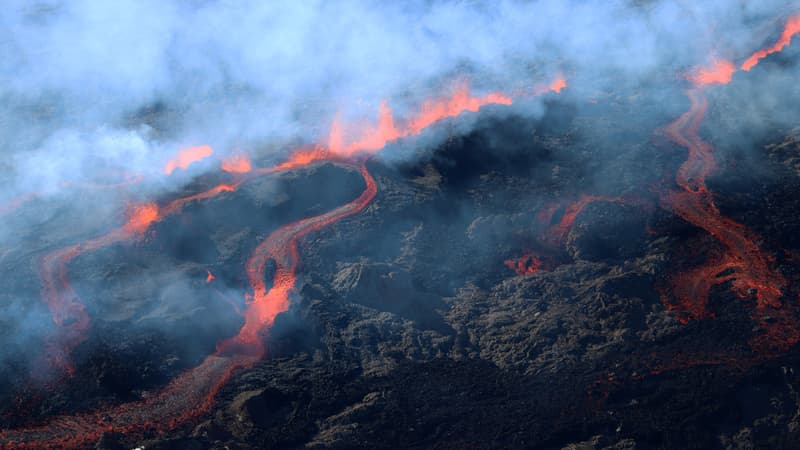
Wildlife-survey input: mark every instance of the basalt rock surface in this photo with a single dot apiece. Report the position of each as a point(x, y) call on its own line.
point(407, 330)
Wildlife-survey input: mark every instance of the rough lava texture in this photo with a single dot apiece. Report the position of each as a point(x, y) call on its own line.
point(406, 328)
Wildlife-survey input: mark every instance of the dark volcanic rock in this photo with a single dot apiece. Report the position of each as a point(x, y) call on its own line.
point(608, 231)
point(407, 330)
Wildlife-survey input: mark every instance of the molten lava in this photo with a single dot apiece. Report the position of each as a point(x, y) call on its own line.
point(553, 235)
point(188, 156)
point(237, 164)
point(63, 302)
point(556, 86)
point(719, 72)
point(743, 265)
point(792, 27)
point(192, 394)
point(558, 231)
point(141, 217)
point(435, 110)
point(524, 265)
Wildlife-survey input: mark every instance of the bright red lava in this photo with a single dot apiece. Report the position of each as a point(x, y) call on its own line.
point(531, 263)
point(192, 394)
point(527, 264)
point(743, 264)
point(558, 231)
point(556, 86)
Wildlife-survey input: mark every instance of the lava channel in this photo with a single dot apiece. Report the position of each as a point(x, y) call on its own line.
point(192, 394)
point(743, 264)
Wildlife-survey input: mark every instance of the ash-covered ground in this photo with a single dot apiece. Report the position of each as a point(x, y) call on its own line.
point(408, 328)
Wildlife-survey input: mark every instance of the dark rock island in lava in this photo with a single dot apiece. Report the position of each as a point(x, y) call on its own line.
point(556, 225)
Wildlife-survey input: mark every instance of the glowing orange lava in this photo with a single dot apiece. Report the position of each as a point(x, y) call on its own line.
point(141, 217)
point(188, 156)
point(435, 110)
point(524, 265)
point(556, 86)
point(237, 164)
point(192, 394)
point(743, 265)
point(304, 157)
point(792, 28)
point(370, 139)
point(553, 234)
point(719, 72)
point(558, 231)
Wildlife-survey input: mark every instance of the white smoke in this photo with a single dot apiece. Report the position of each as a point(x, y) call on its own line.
point(77, 74)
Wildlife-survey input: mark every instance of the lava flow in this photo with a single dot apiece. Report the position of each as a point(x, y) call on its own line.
point(237, 164)
point(186, 157)
point(192, 394)
point(68, 313)
point(792, 27)
point(530, 263)
point(66, 310)
point(743, 264)
point(558, 231)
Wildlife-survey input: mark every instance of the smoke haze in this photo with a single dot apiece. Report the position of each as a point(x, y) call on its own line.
point(100, 92)
point(88, 84)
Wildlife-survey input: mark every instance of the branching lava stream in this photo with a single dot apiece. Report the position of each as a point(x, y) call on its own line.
point(743, 263)
point(192, 394)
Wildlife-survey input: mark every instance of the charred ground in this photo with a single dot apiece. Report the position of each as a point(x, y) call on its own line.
point(407, 328)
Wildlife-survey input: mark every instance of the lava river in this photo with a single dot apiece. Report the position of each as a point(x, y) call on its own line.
point(743, 263)
point(192, 394)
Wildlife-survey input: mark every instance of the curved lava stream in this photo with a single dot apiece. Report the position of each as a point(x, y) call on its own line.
point(743, 264)
point(68, 312)
point(192, 394)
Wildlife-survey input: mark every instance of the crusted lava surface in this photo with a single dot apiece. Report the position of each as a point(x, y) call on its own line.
point(408, 328)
